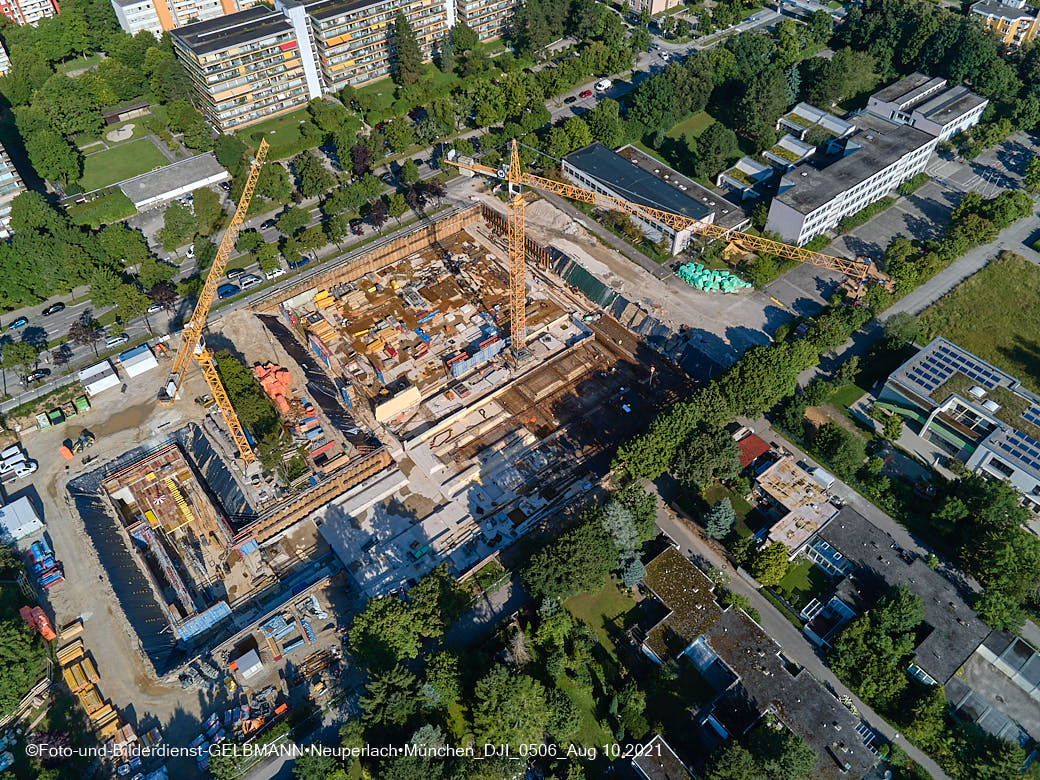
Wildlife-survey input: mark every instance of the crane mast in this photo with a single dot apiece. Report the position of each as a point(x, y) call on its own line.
point(192, 345)
point(858, 269)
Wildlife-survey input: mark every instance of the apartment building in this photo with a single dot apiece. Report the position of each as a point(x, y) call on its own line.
point(28, 11)
point(351, 38)
point(929, 104)
point(1015, 22)
point(972, 411)
point(655, 7)
point(10, 186)
point(875, 159)
point(157, 16)
point(247, 66)
point(261, 62)
point(489, 19)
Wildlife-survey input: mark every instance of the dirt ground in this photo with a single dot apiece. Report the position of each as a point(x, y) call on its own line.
point(121, 422)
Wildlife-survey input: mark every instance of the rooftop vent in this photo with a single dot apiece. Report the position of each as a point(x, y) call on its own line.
point(993, 406)
point(976, 392)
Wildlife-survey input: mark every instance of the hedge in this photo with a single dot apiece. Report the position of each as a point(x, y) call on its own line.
point(862, 216)
point(913, 184)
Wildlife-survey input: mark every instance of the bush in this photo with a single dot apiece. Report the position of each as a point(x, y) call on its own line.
point(111, 206)
point(864, 215)
point(913, 184)
point(817, 243)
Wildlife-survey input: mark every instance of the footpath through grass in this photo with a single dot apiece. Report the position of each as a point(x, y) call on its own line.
point(995, 315)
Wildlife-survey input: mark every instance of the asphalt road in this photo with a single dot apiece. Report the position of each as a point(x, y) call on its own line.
point(795, 645)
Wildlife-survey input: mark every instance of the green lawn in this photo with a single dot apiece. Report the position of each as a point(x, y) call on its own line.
point(847, 395)
point(119, 163)
point(604, 611)
point(803, 582)
point(693, 126)
point(591, 731)
point(79, 63)
point(995, 315)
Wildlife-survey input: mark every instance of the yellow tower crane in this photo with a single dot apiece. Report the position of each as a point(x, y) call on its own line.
point(859, 269)
point(192, 344)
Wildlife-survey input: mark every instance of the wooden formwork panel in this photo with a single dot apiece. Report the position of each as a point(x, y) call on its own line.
point(391, 252)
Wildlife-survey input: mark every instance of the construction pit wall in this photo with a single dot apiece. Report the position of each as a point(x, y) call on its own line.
point(184, 544)
point(432, 321)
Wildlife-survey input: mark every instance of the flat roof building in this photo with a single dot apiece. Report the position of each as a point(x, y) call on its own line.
point(873, 563)
point(747, 671)
point(173, 180)
point(247, 66)
point(1014, 22)
point(973, 411)
point(804, 507)
point(262, 62)
point(632, 175)
point(929, 104)
point(872, 162)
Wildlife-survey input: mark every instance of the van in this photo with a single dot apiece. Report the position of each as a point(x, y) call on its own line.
point(10, 452)
point(12, 464)
point(603, 85)
point(227, 290)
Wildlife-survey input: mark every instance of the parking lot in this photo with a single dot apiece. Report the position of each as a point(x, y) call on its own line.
point(922, 215)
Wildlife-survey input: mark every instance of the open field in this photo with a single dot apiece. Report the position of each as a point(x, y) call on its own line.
point(995, 314)
point(119, 163)
point(693, 126)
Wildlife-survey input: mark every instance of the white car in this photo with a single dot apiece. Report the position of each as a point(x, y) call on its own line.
point(12, 463)
point(279, 271)
point(24, 469)
point(115, 341)
point(603, 85)
point(249, 280)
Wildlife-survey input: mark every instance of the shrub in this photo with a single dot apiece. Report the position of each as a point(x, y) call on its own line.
point(913, 184)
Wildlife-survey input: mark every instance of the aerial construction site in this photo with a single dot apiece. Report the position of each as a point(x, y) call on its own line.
point(409, 435)
point(426, 401)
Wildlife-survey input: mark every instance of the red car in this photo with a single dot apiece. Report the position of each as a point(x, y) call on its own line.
point(586, 93)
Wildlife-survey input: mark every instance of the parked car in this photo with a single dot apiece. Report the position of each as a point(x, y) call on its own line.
point(18, 323)
point(304, 259)
point(267, 224)
point(38, 374)
point(585, 93)
point(154, 309)
point(569, 100)
point(249, 280)
point(115, 341)
point(227, 289)
point(54, 308)
point(12, 463)
point(356, 227)
point(275, 273)
point(603, 85)
point(190, 254)
point(235, 273)
point(23, 470)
